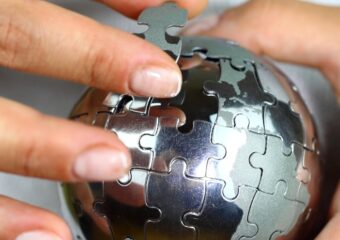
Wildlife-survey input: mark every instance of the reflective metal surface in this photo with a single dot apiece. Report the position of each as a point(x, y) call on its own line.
point(225, 159)
point(159, 20)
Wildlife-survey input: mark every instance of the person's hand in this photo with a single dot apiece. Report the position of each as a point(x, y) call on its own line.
point(332, 230)
point(291, 31)
point(287, 30)
point(41, 38)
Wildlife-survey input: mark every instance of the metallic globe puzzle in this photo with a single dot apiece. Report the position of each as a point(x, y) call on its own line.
point(233, 156)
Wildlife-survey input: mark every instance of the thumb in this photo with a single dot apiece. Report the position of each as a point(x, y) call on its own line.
point(285, 30)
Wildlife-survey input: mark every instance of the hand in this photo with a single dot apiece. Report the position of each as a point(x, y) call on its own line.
point(287, 30)
point(331, 231)
point(40, 38)
point(291, 31)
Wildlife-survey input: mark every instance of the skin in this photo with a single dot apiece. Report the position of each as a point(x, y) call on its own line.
point(291, 31)
point(41, 38)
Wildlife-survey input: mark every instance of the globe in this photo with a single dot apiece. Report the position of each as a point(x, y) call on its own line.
point(233, 156)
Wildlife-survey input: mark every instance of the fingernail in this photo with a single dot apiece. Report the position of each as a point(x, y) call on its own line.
point(156, 81)
point(202, 25)
point(38, 235)
point(101, 164)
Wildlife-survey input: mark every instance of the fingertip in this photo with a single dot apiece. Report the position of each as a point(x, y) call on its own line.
point(133, 9)
point(30, 222)
point(101, 164)
point(156, 81)
point(38, 235)
point(194, 7)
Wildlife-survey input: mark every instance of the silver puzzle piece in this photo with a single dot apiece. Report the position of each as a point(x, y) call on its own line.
point(192, 94)
point(276, 168)
point(134, 104)
point(112, 100)
point(217, 49)
point(250, 101)
point(187, 194)
point(124, 206)
point(277, 221)
point(281, 121)
point(231, 75)
point(140, 105)
point(235, 168)
point(168, 143)
point(158, 25)
point(91, 103)
point(274, 82)
point(129, 127)
point(220, 218)
point(245, 229)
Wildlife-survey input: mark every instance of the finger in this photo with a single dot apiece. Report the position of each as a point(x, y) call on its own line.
point(133, 8)
point(24, 222)
point(40, 146)
point(335, 209)
point(38, 37)
point(292, 31)
point(332, 231)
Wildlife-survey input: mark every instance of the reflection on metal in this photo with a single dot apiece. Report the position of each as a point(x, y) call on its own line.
point(230, 157)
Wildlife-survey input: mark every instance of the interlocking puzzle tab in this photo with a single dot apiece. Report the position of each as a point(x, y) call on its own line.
point(168, 143)
point(239, 96)
point(219, 49)
point(235, 169)
point(158, 26)
point(220, 218)
point(292, 130)
point(192, 94)
point(129, 127)
point(187, 194)
point(286, 211)
point(122, 216)
point(280, 167)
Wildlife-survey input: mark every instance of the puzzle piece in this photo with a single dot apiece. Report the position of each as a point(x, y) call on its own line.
point(82, 195)
point(192, 95)
point(309, 176)
point(232, 76)
point(273, 213)
point(129, 127)
point(245, 229)
point(140, 105)
point(174, 194)
point(274, 82)
point(310, 136)
point(235, 169)
point(158, 26)
point(279, 167)
point(131, 103)
point(90, 103)
point(220, 218)
point(249, 102)
point(125, 209)
point(112, 100)
point(217, 49)
point(168, 143)
point(281, 121)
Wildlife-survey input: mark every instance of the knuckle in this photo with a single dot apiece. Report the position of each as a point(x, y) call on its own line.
point(28, 159)
point(31, 151)
point(14, 40)
point(100, 67)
